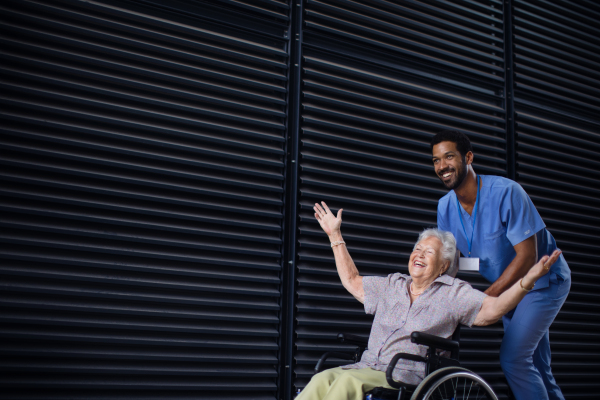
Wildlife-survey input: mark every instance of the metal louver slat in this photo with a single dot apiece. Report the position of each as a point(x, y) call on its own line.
point(142, 199)
point(379, 79)
point(557, 100)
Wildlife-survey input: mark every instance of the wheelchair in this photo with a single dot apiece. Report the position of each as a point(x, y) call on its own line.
point(444, 379)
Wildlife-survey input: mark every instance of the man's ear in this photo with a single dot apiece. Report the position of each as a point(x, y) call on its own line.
point(469, 158)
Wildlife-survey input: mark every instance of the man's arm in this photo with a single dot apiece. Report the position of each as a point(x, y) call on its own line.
point(494, 308)
point(346, 268)
point(525, 258)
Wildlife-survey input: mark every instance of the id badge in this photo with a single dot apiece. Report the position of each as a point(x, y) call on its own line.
point(468, 264)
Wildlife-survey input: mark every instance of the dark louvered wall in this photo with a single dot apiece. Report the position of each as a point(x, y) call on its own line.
point(557, 101)
point(148, 174)
point(379, 79)
point(142, 199)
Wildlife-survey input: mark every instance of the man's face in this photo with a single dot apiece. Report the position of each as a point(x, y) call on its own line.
point(448, 164)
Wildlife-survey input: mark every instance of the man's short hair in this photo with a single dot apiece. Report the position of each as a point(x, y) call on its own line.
point(463, 144)
point(448, 247)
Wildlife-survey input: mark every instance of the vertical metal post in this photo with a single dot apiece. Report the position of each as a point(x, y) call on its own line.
point(291, 195)
point(509, 98)
point(509, 86)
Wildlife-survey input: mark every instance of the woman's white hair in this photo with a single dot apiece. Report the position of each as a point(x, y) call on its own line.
point(448, 247)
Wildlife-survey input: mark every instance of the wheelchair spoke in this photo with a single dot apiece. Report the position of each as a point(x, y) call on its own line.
point(441, 391)
point(470, 387)
point(459, 388)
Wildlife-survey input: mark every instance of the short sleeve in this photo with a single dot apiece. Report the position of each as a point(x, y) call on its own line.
point(519, 215)
point(441, 216)
point(468, 303)
point(375, 288)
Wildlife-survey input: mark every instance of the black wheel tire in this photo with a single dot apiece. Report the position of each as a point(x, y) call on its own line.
point(450, 380)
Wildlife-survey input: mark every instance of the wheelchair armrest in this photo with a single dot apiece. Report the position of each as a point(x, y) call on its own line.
point(390, 369)
point(336, 354)
point(434, 341)
point(356, 340)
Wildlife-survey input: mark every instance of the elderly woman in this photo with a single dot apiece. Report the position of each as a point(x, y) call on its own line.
point(429, 300)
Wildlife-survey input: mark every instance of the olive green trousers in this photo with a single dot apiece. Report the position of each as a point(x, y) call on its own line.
point(342, 384)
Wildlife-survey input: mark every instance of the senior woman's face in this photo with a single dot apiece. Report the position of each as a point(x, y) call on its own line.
point(426, 261)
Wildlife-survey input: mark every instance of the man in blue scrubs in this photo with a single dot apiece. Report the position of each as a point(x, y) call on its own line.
point(497, 226)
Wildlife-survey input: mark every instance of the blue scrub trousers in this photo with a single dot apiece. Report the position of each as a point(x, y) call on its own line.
point(525, 351)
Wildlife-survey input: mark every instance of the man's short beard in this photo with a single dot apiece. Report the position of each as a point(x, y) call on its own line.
point(461, 174)
point(459, 179)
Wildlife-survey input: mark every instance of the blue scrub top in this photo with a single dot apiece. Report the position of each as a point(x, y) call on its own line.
point(505, 217)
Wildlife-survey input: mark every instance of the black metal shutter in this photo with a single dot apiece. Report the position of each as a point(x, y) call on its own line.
point(142, 196)
point(379, 79)
point(557, 101)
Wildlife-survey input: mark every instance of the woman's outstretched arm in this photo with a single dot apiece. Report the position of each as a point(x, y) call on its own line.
point(494, 308)
point(346, 269)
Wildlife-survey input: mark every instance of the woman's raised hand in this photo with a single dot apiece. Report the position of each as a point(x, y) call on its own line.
point(543, 266)
point(330, 223)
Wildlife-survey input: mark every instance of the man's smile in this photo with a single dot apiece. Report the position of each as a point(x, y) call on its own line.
point(446, 175)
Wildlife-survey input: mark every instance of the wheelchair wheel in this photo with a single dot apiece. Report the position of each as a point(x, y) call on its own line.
point(453, 383)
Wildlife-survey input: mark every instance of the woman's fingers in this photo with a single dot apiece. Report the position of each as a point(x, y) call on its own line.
point(325, 217)
point(319, 209)
point(322, 209)
point(552, 259)
point(556, 253)
point(546, 261)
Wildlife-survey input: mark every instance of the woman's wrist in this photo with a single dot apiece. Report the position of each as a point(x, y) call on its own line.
point(335, 237)
point(527, 282)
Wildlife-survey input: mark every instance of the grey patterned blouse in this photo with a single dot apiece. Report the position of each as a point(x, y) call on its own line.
point(446, 303)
